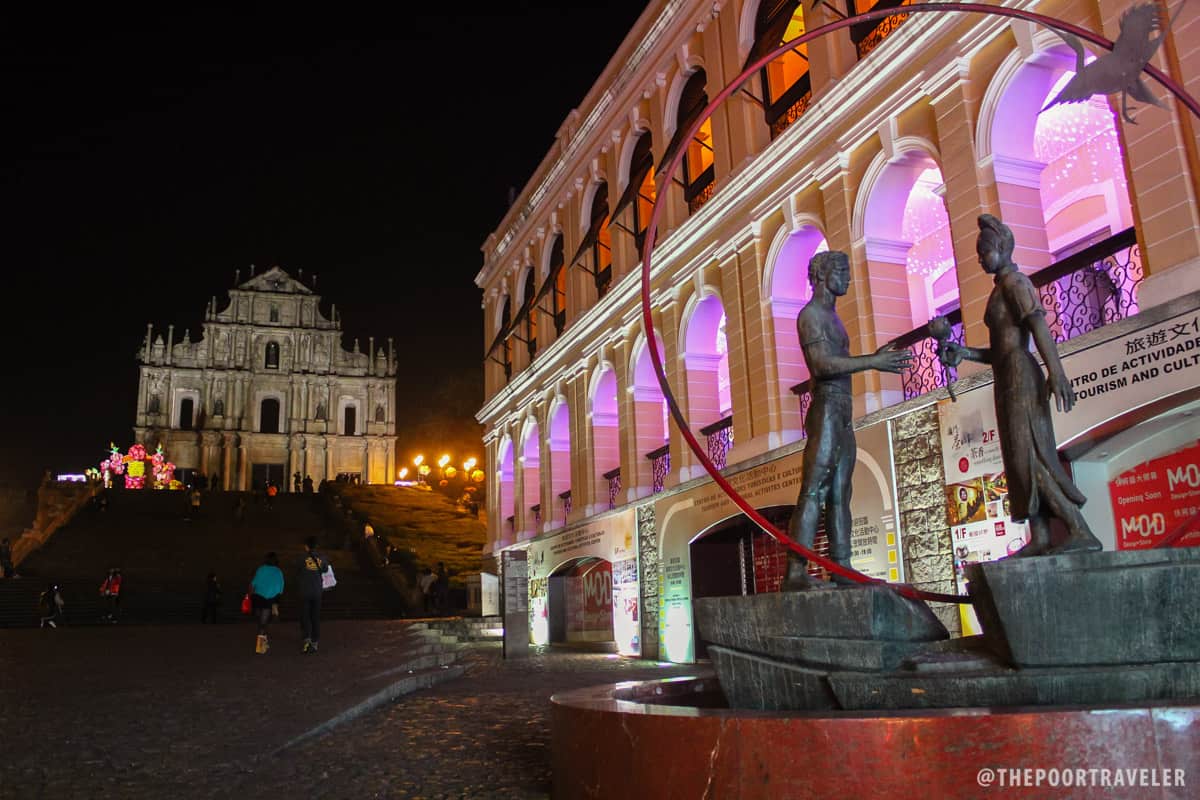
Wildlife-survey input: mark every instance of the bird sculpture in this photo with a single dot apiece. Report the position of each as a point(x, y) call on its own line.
point(1121, 69)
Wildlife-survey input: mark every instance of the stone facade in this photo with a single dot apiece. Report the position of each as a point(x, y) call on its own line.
point(268, 391)
point(920, 489)
point(648, 579)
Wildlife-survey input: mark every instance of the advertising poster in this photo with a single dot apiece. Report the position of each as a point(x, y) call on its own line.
point(591, 591)
point(1153, 499)
point(686, 516)
point(976, 492)
point(625, 616)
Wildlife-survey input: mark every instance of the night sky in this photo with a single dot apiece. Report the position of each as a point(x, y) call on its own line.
point(149, 155)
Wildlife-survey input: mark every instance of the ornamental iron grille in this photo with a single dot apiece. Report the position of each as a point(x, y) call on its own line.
point(720, 441)
point(803, 392)
point(1092, 288)
point(868, 35)
point(614, 486)
point(702, 195)
point(793, 113)
point(925, 372)
point(660, 466)
point(566, 504)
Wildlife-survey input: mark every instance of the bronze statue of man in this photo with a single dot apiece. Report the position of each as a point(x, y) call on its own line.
point(831, 450)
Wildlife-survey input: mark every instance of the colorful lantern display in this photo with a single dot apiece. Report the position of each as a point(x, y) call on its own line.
point(133, 466)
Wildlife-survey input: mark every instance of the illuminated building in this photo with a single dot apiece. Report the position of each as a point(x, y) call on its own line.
point(885, 141)
point(268, 391)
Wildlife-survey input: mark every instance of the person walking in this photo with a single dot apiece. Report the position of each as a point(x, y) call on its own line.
point(296, 482)
point(194, 502)
point(6, 562)
point(53, 606)
point(110, 590)
point(310, 577)
point(428, 579)
point(441, 589)
point(212, 599)
point(308, 484)
point(266, 587)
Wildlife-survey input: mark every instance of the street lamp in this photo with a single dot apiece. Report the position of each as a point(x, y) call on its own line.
point(419, 460)
point(403, 473)
point(443, 461)
point(469, 464)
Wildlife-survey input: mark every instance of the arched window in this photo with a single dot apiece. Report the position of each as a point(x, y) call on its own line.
point(606, 440)
point(504, 472)
point(531, 462)
point(789, 290)
point(505, 321)
point(708, 381)
point(560, 466)
point(274, 313)
point(272, 360)
point(640, 192)
point(560, 284)
point(187, 409)
point(787, 87)
point(268, 416)
point(910, 258)
point(602, 242)
point(698, 171)
point(350, 421)
point(530, 314)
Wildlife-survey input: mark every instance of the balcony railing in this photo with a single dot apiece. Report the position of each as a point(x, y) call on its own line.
point(925, 372)
point(803, 392)
point(613, 477)
point(719, 437)
point(793, 113)
point(867, 36)
point(1092, 288)
point(565, 497)
point(660, 466)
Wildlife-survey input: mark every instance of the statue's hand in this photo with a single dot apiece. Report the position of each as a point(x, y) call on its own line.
point(950, 353)
point(890, 358)
point(1061, 390)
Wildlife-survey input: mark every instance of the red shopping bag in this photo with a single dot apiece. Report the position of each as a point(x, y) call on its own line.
point(246, 603)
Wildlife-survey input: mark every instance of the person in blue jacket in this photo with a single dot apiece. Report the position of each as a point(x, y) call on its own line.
point(266, 587)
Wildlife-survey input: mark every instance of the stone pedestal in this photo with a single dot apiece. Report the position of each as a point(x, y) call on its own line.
point(1128, 607)
point(1090, 629)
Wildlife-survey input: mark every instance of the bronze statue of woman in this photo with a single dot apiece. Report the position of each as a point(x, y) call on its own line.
point(1039, 488)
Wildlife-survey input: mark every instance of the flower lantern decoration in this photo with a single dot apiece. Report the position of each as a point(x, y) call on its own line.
point(133, 466)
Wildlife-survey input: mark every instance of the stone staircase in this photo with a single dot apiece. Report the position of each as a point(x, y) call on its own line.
point(468, 630)
point(165, 553)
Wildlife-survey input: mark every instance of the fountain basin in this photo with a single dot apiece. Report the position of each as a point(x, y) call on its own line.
point(671, 739)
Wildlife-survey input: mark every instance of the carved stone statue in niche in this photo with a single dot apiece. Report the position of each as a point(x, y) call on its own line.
point(380, 414)
point(321, 415)
point(154, 405)
point(218, 408)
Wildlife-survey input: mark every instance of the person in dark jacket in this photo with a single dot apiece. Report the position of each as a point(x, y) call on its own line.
point(312, 567)
point(212, 598)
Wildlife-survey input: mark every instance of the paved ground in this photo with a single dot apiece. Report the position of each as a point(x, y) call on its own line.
point(191, 712)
